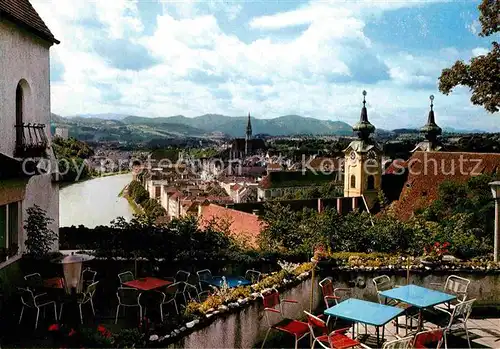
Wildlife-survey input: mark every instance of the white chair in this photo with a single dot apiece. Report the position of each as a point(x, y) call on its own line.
point(84, 298)
point(128, 298)
point(171, 292)
point(125, 277)
point(35, 283)
point(253, 276)
point(204, 276)
point(88, 277)
point(458, 319)
point(182, 275)
point(457, 286)
point(403, 343)
point(29, 300)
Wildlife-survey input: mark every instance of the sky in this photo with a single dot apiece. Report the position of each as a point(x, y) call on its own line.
point(269, 58)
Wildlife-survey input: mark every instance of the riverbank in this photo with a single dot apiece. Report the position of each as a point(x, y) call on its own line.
point(103, 175)
point(135, 207)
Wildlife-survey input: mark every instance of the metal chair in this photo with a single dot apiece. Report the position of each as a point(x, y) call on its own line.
point(83, 298)
point(125, 277)
point(334, 339)
point(457, 286)
point(35, 283)
point(204, 276)
point(88, 277)
point(128, 298)
point(182, 275)
point(253, 276)
point(171, 293)
point(29, 300)
point(403, 343)
point(327, 291)
point(426, 338)
point(298, 329)
point(458, 319)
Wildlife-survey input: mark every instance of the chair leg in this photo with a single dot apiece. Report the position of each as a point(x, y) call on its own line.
point(55, 311)
point(60, 311)
point(265, 338)
point(467, 334)
point(176, 309)
point(296, 342)
point(92, 305)
point(161, 312)
point(117, 312)
point(81, 316)
point(445, 341)
point(21, 315)
point(140, 312)
point(37, 315)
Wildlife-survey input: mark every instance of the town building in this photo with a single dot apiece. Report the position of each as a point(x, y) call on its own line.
point(61, 132)
point(25, 140)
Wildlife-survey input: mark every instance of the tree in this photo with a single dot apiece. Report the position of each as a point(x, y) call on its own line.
point(39, 237)
point(482, 74)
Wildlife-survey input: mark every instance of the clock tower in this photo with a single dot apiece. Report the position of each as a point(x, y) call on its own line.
point(363, 157)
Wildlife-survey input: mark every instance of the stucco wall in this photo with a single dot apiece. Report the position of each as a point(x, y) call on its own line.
point(246, 328)
point(26, 57)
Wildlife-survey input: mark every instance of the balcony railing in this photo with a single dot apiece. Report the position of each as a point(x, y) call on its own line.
point(31, 140)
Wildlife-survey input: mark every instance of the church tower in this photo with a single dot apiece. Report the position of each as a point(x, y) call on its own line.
point(362, 166)
point(248, 135)
point(431, 131)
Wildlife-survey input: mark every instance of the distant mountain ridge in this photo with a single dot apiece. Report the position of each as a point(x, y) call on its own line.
point(216, 123)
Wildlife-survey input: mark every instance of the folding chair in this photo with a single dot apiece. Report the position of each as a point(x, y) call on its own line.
point(298, 329)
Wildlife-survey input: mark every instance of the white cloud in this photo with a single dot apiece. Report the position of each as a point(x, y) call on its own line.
point(202, 69)
point(479, 51)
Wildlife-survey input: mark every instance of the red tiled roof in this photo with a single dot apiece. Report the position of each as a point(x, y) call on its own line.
point(396, 167)
point(244, 227)
point(427, 170)
point(23, 14)
point(235, 187)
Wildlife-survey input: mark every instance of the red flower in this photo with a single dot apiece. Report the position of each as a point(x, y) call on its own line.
point(436, 244)
point(71, 333)
point(54, 327)
point(101, 329)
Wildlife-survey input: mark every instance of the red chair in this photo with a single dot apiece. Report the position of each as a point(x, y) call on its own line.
point(296, 328)
point(328, 292)
point(333, 340)
point(431, 337)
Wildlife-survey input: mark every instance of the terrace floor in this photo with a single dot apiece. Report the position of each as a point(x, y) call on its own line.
point(483, 332)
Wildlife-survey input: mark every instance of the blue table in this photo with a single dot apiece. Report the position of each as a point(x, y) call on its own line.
point(232, 281)
point(419, 297)
point(365, 312)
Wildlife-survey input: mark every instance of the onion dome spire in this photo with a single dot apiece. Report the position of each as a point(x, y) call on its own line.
point(431, 130)
point(364, 128)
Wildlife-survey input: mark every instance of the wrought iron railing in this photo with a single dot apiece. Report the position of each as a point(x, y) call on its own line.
point(31, 140)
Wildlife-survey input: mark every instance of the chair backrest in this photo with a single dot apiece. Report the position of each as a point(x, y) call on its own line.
point(326, 287)
point(403, 343)
point(253, 276)
point(88, 275)
point(382, 283)
point(458, 286)
point(128, 296)
point(27, 297)
point(342, 294)
point(33, 281)
point(271, 299)
point(182, 275)
point(174, 289)
point(89, 292)
point(315, 323)
point(125, 277)
point(461, 310)
point(204, 275)
point(191, 292)
point(425, 339)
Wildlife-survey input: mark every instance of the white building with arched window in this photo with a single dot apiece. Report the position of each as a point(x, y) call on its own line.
point(25, 41)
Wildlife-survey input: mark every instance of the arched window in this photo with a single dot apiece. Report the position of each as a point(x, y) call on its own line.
point(370, 183)
point(19, 113)
point(353, 181)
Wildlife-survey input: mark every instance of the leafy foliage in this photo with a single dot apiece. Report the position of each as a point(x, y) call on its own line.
point(71, 155)
point(39, 238)
point(482, 74)
point(151, 207)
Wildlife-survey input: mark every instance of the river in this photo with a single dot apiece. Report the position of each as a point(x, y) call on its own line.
point(94, 202)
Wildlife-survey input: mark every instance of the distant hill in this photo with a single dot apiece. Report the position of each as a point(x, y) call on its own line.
point(136, 128)
point(235, 126)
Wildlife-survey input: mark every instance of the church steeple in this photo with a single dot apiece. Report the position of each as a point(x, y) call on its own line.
point(364, 128)
point(249, 128)
point(431, 131)
point(248, 135)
